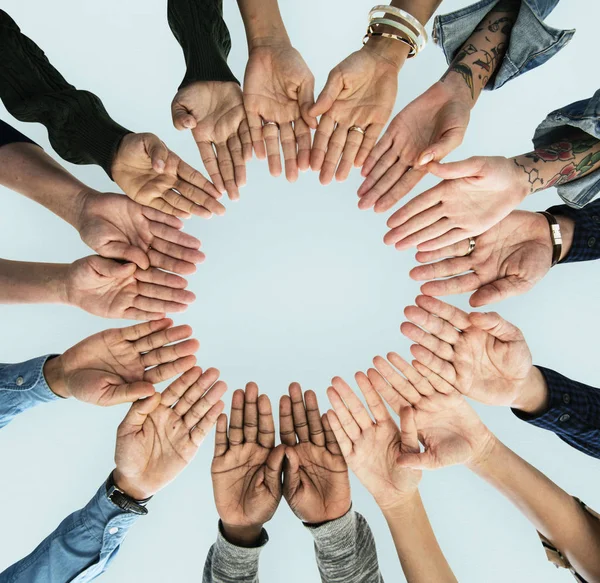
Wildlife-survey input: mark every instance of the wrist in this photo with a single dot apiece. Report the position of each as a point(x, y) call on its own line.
point(392, 51)
point(458, 89)
point(81, 207)
point(242, 536)
point(485, 452)
point(567, 230)
point(398, 506)
point(131, 487)
point(55, 377)
point(533, 397)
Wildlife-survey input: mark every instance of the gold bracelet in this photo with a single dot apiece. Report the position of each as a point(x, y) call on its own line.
point(371, 33)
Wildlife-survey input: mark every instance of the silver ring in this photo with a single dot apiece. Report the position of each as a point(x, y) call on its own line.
point(471, 246)
point(357, 129)
point(270, 123)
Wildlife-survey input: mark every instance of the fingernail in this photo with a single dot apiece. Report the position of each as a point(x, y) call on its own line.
point(426, 159)
point(160, 165)
point(188, 123)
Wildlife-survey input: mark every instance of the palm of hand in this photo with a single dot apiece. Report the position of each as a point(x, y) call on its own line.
point(271, 83)
point(324, 490)
point(374, 461)
point(241, 497)
point(488, 369)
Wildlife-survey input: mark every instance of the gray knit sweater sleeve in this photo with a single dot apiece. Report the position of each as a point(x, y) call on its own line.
point(345, 550)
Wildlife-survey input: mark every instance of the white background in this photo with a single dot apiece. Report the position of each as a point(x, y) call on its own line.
point(297, 286)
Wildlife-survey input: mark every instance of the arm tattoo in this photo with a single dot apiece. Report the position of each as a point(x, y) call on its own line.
point(462, 68)
point(533, 176)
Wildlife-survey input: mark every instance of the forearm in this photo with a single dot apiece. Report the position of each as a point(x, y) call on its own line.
point(27, 169)
point(565, 160)
point(550, 509)
point(263, 23)
point(420, 555)
point(23, 282)
point(79, 128)
point(479, 58)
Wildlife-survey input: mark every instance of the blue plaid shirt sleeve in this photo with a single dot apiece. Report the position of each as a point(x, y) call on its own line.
point(573, 413)
point(586, 237)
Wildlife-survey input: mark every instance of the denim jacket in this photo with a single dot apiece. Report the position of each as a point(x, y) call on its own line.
point(532, 42)
point(84, 543)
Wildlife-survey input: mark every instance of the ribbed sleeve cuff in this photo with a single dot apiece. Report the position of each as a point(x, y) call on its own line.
point(339, 529)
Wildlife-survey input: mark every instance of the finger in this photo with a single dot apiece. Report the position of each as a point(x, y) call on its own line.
point(291, 475)
point(273, 469)
point(203, 201)
point(182, 203)
point(420, 383)
point(138, 413)
point(331, 91)
point(315, 427)
point(436, 381)
point(335, 147)
point(448, 142)
point(178, 387)
point(379, 150)
point(290, 155)
point(424, 201)
point(434, 363)
point(194, 178)
point(388, 170)
point(392, 397)
point(332, 445)
point(353, 403)
point(237, 155)
point(209, 159)
point(367, 144)
point(306, 100)
point(130, 392)
point(236, 418)
point(400, 384)
point(266, 424)
point(434, 325)
point(415, 228)
point(353, 142)
point(408, 430)
point(134, 333)
point(142, 315)
point(419, 336)
point(195, 389)
point(455, 316)
point(457, 250)
point(448, 238)
point(462, 169)
point(399, 190)
point(157, 151)
point(155, 306)
point(170, 353)
point(161, 278)
point(206, 423)
point(251, 413)
point(452, 286)
point(205, 404)
point(444, 268)
point(499, 290)
point(169, 370)
point(418, 461)
point(227, 171)
point(131, 253)
point(344, 442)
point(164, 335)
point(498, 327)
point(246, 140)
point(299, 413)
point(303, 142)
point(349, 425)
point(168, 294)
point(256, 133)
point(221, 441)
point(374, 401)
point(161, 205)
point(109, 268)
point(182, 119)
point(170, 228)
point(271, 135)
point(321, 141)
point(287, 435)
point(168, 263)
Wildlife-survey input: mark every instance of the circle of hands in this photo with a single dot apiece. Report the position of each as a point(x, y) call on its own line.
point(142, 254)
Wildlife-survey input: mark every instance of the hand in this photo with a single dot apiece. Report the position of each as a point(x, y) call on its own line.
point(118, 228)
point(508, 260)
point(428, 128)
point(315, 477)
point(475, 195)
point(160, 435)
point(246, 469)
point(109, 289)
point(279, 87)
point(149, 173)
point(373, 449)
point(215, 113)
point(448, 427)
point(361, 92)
point(481, 355)
point(113, 367)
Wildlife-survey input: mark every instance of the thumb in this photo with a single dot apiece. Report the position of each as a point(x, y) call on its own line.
point(111, 268)
point(499, 290)
point(130, 392)
point(273, 468)
point(182, 119)
point(448, 142)
point(157, 151)
point(126, 252)
point(306, 100)
point(496, 326)
point(139, 411)
point(291, 474)
point(463, 169)
point(331, 91)
point(417, 461)
point(408, 430)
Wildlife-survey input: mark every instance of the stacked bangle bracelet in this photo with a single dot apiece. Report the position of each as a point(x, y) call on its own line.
point(402, 26)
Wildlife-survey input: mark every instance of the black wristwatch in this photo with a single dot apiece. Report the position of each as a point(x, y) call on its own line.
point(123, 501)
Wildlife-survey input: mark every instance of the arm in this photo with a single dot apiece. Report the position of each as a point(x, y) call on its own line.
point(555, 514)
point(22, 282)
point(9, 135)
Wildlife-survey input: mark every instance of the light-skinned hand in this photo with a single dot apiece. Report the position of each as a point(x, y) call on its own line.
point(118, 228)
point(447, 426)
point(110, 289)
point(508, 260)
point(246, 469)
point(160, 435)
point(427, 129)
point(480, 354)
point(373, 447)
point(475, 195)
point(315, 479)
point(215, 113)
point(279, 87)
point(151, 174)
point(360, 91)
point(121, 365)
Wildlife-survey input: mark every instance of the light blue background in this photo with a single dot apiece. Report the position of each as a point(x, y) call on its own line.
point(297, 286)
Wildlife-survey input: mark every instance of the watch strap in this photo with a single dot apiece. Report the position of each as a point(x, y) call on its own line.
point(123, 500)
point(555, 236)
